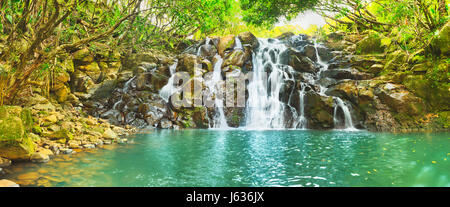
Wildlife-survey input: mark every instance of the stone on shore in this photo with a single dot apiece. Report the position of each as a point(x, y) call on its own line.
point(4, 162)
point(8, 183)
point(109, 134)
point(39, 157)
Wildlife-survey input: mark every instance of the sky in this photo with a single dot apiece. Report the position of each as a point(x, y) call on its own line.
point(304, 20)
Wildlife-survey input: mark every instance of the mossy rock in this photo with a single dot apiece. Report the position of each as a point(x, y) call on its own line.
point(443, 119)
point(14, 142)
point(440, 45)
point(225, 43)
point(83, 55)
point(61, 134)
point(27, 119)
point(371, 44)
point(62, 94)
point(395, 60)
point(436, 96)
point(37, 130)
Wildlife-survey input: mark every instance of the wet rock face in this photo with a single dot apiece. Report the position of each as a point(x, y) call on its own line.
point(225, 44)
point(370, 44)
point(351, 73)
point(319, 111)
point(301, 63)
point(382, 106)
point(14, 123)
point(247, 38)
point(441, 41)
point(373, 103)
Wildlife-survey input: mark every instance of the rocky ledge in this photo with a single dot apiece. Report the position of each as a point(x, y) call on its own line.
point(40, 130)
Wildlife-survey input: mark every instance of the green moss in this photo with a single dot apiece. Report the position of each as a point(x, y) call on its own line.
point(14, 143)
point(443, 119)
point(37, 130)
point(42, 112)
point(100, 130)
point(11, 128)
point(395, 60)
point(371, 44)
point(435, 95)
point(27, 119)
point(61, 134)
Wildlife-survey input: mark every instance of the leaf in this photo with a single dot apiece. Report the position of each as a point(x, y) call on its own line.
point(9, 18)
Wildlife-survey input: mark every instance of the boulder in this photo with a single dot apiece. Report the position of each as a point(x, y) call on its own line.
point(421, 86)
point(4, 162)
point(324, 53)
point(370, 44)
point(74, 144)
point(207, 51)
point(440, 44)
point(165, 124)
point(225, 43)
point(247, 38)
point(286, 36)
point(310, 52)
point(346, 74)
point(14, 142)
point(318, 110)
point(44, 151)
point(39, 157)
point(399, 99)
point(62, 134)
point(83, 55)
point(89, 146)
point(60, 79)
point(44, 107)
point(188, 63)
point(300, 63)
point(50, 119)
point(109, 134)
point(236, 58)
point(8, 183)
point(376, 68)
point(62, 94)
point(395, 60)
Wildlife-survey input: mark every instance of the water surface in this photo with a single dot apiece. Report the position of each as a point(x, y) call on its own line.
point(252, 158)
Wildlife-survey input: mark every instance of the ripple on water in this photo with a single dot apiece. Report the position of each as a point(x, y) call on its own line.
point(251, 158)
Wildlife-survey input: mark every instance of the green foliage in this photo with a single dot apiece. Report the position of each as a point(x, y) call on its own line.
point(267, 12)
point(439, 74)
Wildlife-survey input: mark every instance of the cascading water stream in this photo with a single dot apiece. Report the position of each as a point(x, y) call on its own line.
point(270, 74)
point(264, 108)
point(238, 44)
point(323, 67)
point(215, 87)
point(347, 116)
point(302, 119)
point(169, 89)
point(338, 101)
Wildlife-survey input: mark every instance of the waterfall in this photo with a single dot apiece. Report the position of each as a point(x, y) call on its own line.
point(273, 88)
point(199, 50)
point(215, 87)
point(302, 118)
point(347, 116)
point(238, 44)
point(169, 89)
point(264, 108)
point(323, 67)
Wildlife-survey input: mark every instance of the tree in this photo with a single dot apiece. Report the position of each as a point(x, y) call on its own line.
point(33, 33)
point(268, 12)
